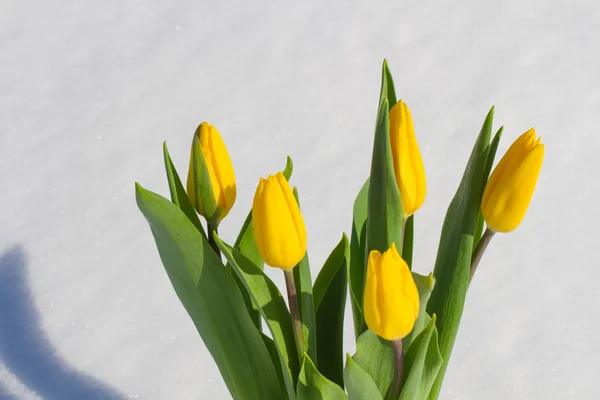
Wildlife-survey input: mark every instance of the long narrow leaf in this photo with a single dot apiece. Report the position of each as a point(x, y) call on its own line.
point(303, 282)
point(489, 162)
point(384, 216)
point(454, 253)
point(178, 195)
point(211, 298)
point(425, 286)
point(329, 293)
point(422, 363)
point(269, 302)
point(408, 241)
point(356, 276)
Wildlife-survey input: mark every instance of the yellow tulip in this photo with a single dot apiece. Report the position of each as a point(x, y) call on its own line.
point(278, 226)
point(408, 164)
point(510, 187)
point(391, 304)
point(220, 172)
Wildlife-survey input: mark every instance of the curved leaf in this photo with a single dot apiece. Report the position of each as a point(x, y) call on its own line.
point(178, 194)
point(269, 301)
point(356, 276)
point(359, 384)
point(329, 293)
point(375, 356)
point(211, 298)
point(314, 386)
point(408, 240)
point(384, 216)
point(425, 286)
point(421, 365)
point(453, 259)
point(303, 283)
point(489, 162)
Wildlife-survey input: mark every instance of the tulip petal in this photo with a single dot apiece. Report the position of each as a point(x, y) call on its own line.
point(509, 161)
point(508, 202)
point(279, 229)
point(408, 163)
point(391, 298)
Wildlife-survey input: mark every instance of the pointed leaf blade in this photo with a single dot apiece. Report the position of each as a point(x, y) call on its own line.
point(212, 300)
point(271, 306)
point(314, 386)
point(329, 293)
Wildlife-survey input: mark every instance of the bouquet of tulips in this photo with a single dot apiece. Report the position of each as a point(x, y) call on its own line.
point(405, 323)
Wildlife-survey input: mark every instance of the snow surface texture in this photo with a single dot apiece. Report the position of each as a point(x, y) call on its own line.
point(89, 91)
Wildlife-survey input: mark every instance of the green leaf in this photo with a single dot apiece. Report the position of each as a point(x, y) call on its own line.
point(425, 285)
point(359, 384)
point(489, 162)
point(303, 282)
point(211, 298)
point(275, 358)
point(202, 192)
point(269, 301)
point(384, 225)
point(178, 194)
point(246, 244)
point(356, 276)
point(391, 92)
point(421, 364)
point(314, 386)
point(375, 355)
point(289, 168)
point(454, 253)
point(407, 247)
point(329, 292)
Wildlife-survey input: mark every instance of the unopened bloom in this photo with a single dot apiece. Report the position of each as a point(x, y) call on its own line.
point(277, 223)
point(408, 164)
point(391, 303)
point(510, 187)
point(221, 177)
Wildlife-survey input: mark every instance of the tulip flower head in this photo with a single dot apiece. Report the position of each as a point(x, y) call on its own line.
point(220, 173)
point(408, 164)
point(277, 223)
point(510, 187)
point(391, 304)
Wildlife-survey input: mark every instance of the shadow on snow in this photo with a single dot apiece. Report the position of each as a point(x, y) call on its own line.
point(24, 348)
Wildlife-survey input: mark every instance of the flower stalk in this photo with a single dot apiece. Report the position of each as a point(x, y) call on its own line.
point(294, 310)
point(398, 377)
point(486, 238)
point(212, 230)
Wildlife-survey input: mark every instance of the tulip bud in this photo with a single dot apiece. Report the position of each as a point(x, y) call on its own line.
point(408, 164)
point(510, 187)
point(391, 303)
point(211, 180)
point(277, 223)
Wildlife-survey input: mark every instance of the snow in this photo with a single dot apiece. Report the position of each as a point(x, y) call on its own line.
point(89, 90)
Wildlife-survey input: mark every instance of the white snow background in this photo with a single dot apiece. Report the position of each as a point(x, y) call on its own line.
point(89, 90)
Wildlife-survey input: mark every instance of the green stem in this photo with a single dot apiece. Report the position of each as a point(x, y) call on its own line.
point(479, 250)
point(398, 370)
point(294, 310)
point(211, 239)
